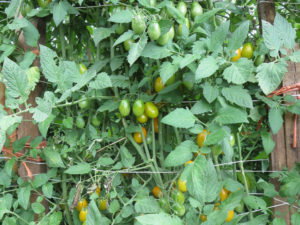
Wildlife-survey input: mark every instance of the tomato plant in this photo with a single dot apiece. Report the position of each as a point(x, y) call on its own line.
point(247, 51)
point(154, 31)
point(156, 191)
point(151, 110)
point(124, 107)
point(138, 107)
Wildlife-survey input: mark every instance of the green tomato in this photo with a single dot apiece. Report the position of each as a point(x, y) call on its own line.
point(83, 104)
point(180, 26)
point(164, 204)
point(171, 33)
point(80, 123)
point(149, 139)
point(151, 110)
point(154, 31)
point(232, 140)
point(43, 3)
point(169, 13)
point(188, 81)
point(177, 196)
point(179, 209)
point(259, 60)
point(171, 80)
point(95, 121)
point(163, 39)
point(127, 44)
point(138, 24)
point(138, 107)
point(124, 107)
point(196, 9)
point(27, 6)
point(120, 28)
point(82, 68)
point(181, 7)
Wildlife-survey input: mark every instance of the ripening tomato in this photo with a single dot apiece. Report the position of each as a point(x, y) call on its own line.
point(95, 121)
point(163, 39)
point(230, 215)
point(149, 139)
point(154, 31)
point(171, 33)
point(181, 185)
point(155, 125)
point(203, 217)
point(223, 194)
point(216, 206)
point(82, 214)
point(151, 110)
point(196, 9)
point(80, 123)
point(137, 136)
point(82, 68)
point(26, 8)
point(259, 60)
point(179, 209)
point(124, 107)
point(181, 7)
point(164, 204)
point(188, 162)
point(201, 138)
point(98, 191)
point(138, 107)
point(127, 44)
point(120, 28)
point(180, 26)
point(138, 24)
point(247, 51)
point(102, 204)
point(232, 140)
point(81, 204)
point(238, 54)
point(156, 191)
point(177, 196)
point(142, 119)
point(158, 85)
point(35, 51)
point(43, 3)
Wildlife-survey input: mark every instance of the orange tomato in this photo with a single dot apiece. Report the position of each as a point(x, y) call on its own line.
point(230, 215)
point(238, 54)
point(201, 138)
point(137, 136)
point(156, 191)
point(81, 204)
point(156, 125)
point(158, 85)
point(98, 190)
point(224, 194)
point(203, 218)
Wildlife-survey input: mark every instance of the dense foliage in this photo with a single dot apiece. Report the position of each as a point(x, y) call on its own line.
point(150, 111)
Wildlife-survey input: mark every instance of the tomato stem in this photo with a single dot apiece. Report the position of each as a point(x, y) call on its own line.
point(62, 40)
point(161, 143)
point(243, 171)
point(65, 197)
point(215, 158)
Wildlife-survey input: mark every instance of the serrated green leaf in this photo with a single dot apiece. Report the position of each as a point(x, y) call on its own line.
point(155, 51)
point(255, 202)
point(238, 37)
point(238, 95)
point(119, 81)
point(23, 196)
point(181, 154)
point(231, 115)
point(295, 219)
point(207, 67)
point(215, 137)
point(267, 141)
point(101, 33)
point(102, 81)
point(200, 107)
point(146, 205)
point(275, 119)
point(205, 16)
point(158, 219)
point(294, 108)
point(12, 8)
point(136, 49)
point(210, 92)
point(31, 34)
point(59, 12)
point(123, 16)
point(176, 14)
point(187, 118)
point(47, 190)
point(53, 158)
point(116, 63)
point(295, 56)
point(167, 70)
point(239, 72)
point(44, 126)
point(126, 157)
point(218, 37)
point(81, 168)
point(270, 75)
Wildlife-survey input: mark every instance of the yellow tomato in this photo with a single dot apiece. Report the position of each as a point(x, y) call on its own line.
point(82, 214)
point(181, 185)
point(142, 119)
point(98, 190)
point(81, 204)
point(103, 204)
point(158, 85)
point(203, 218)
point(188, 162)
point(137, 136)
point(230, 215)
point(201, 138)
point(224, 194)
point(238, 54)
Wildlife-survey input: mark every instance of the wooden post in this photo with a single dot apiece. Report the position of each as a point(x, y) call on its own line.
point(283, 155)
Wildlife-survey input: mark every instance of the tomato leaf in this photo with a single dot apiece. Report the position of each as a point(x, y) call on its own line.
point(205, 16)
point(210, 92)
point(176, 14)
point(37, 208)
point(239, 72)
point(127, 35)
point(59, 12)
point(158, 219)
point(218, 37)
point(136, 49)
point(94, 216)
point(238, 37)
point(201, 107)
point(181, 154)
point(155, 51)
point(215, 137)
point(270, 75)
point(255, 202)
point(207, 67)
point(101, 33)
point(167, 70)
point(81, 168)
point(267, 141)
point(231, 115)
point(126, 157)
point(238, 95)
point(294, 108)
point(187, 119)
point(295, 218)
point(295, 57)
point(53, 158)
point(275, 119)
point(23, 196)
point(146, 205)
point(123, 16)
point(102, 81)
